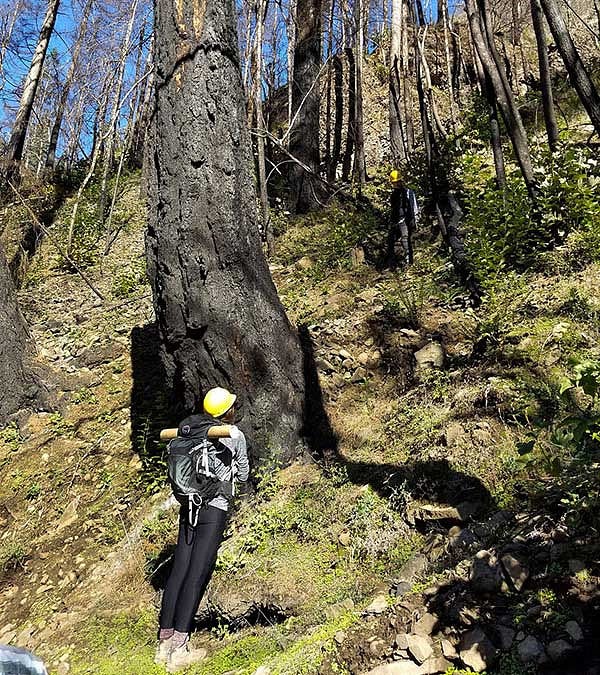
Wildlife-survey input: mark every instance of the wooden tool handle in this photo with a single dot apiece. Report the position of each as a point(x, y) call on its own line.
point(213, 432)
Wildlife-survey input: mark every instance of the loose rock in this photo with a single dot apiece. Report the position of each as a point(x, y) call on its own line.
point(378, 606)
point(419, 647)
point(506, 637)
point(431, 356)
point(425, 625)
point(558, 649)
point(339, 637)
point(414, 566)
point(448, 650)
point(476, 650)
point(515, 571)
point(434, 665)
point(485, 573)
point(397, 668)
point(574, 631)
point(305, 263)
point(531, 650)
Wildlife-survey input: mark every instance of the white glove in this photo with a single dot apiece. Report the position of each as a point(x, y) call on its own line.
point(235, 433)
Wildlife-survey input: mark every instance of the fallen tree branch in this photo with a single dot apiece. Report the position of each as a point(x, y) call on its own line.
point(55, 243)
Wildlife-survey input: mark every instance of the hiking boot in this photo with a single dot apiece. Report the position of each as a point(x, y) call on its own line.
point(163, 650)
point(183, 656)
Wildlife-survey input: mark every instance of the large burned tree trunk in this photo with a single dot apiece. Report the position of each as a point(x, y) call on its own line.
point(219, 317)
point(19, 387)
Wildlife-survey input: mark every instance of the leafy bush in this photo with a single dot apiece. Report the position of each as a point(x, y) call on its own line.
point(503, 230)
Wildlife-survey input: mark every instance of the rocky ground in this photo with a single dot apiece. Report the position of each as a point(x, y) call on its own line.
point(407, 544)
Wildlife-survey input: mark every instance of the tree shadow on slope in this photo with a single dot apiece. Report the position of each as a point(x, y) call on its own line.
point(430, 480)
point(434, 479)
point(149, 404)
point(501, 616)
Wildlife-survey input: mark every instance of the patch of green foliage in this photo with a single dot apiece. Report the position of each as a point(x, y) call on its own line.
point(84, 395)
point(503, 230)
point(60, 426)
point(568, 448)
point(12, 555)
point(304, 656)
point(10, 437)
point(123, 646)
point(405, 302)
point(244, 656)
point(129, 280)
point(327, 238)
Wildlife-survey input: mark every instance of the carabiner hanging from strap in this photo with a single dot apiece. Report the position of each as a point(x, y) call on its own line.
point(193, 519)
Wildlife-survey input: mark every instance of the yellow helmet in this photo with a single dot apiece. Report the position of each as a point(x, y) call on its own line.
point(218, 401)
point(395, 177)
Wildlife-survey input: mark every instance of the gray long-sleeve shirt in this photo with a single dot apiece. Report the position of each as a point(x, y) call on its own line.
point(240, 467)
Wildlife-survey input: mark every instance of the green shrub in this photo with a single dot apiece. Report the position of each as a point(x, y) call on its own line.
point(503, 230)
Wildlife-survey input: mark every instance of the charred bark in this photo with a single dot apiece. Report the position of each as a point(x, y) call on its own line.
point(219, 317)
point(537, 17)
point(338, 87)
point(490, 59)
point(350, 134)
point(20, 387)
point(306, 95)
point(580, 78)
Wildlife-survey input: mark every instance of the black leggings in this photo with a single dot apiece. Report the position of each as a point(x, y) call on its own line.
point(193, 564)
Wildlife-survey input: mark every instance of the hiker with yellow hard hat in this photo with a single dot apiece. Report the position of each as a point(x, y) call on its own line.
point(403, 217)
point(207, 456)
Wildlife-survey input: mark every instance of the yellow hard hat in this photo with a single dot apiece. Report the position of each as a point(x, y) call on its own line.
point(395, 177)
point(218, 401)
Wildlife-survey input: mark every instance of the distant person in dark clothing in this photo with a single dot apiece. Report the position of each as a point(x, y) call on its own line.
point(403, 218)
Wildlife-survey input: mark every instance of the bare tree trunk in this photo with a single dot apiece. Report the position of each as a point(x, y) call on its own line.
point(405, 71)
point(64, 94)
point(446, 25)
point(219, 317)
point(360, 168)
point(504, 96)
point(16, 143)
point(339, 118)
point(545, 80)
point(487, 91)
point(588, 94)
point(261, 7)
point(431, 105)
point(96, 151)
point(136, 152)
point(6, 38)
point(456, 66)
point(291, 49)
point(109, 153)
point(304, 136)
point(75, 122)
point(328, 86)
point(350, 134)
point(397, 145)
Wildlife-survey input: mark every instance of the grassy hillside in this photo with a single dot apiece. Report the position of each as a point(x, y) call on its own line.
point(454, 496)
point(426, 460)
